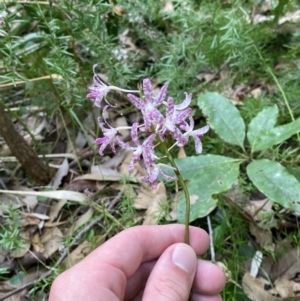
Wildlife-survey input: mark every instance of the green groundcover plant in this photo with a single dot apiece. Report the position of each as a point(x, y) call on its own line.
point(209, 175)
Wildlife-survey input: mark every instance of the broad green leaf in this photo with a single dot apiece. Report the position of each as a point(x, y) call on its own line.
point(209, 175)
point(224, 118)
point(277, 135)
point(262, 122)
point(272, 179)
point(295, 171)
point(262, 133)
point(190, 166)
point(199, 207)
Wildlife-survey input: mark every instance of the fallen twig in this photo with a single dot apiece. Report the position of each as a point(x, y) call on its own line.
point(211, 240)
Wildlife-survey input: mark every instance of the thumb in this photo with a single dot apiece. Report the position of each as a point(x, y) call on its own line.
point(172, 277)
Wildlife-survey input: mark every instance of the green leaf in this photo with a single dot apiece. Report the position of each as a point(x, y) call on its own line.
point(273, 180)
point(276, 135)
point(209, 175)
point(17, 278)
point(261, 123)
point(295, 171)
point(224, 118)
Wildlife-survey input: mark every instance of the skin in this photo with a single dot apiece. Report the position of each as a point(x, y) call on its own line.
point(144, 263)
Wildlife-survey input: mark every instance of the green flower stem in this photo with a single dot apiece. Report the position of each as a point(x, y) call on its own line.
point(186, 193)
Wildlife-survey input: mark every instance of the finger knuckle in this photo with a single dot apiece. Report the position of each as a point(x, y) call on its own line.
point(170, 288)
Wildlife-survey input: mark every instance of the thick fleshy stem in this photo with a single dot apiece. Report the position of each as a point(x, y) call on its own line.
point(185, 190)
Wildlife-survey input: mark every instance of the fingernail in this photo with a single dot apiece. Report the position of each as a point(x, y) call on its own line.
point(184, 257)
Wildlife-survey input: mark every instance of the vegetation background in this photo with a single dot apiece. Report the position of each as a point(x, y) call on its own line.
point(246, 51)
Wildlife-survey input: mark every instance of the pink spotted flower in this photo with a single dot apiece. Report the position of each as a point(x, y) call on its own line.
point(109, 138)
point(148, 106)
point(98, 91)
point(195, 134)
point(145, 149)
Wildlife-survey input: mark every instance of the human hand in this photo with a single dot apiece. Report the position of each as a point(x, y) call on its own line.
point(148, 263)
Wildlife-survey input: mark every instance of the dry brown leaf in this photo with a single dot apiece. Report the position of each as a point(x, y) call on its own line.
point(55, 224)
point(284, 288)
point(52, 239)
point(61, 172)
point(264, 204)
point(181, 153)
point(6, 287)
point(58, 194)
point(104, 174)
point(254, 289)
point(206, 76)
point(29, 221)
point(35, 125)
point(40, 216)
point(82, 251)
point(122, 122)
point(257, 210)
point(296, 286)
point(263, 237)
point(30, 201)
point(37, 244)
point(85, 185)
point(289, 17)
point(237, 195)
point(119, 10)
point(144, 198)
point(287, 266)
point(80, 141)
point(154, 212)
point(292, 17)
point(125, 164)
point(281, 275)
point(168, 8)
point(257, 92)
point(227, 273)
point(55, 209)
point(112, 163)
point(83, 219)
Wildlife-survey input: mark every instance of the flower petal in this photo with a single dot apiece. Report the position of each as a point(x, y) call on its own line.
point(134, 133)
point(200, 132)
point(148, 151)
point(160, 97)
point(147, 89)
point(198, 145)
point(139, 103)
point(185, 103)
point(179, 137)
